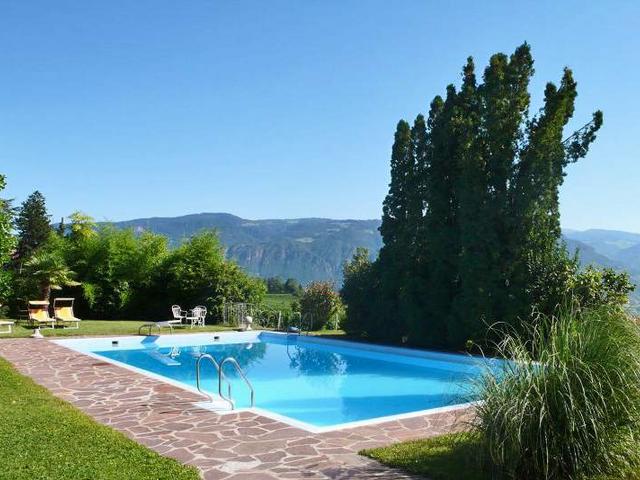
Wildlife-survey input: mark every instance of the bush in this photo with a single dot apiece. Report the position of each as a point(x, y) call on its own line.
point(318, 304)
point(568, 406)
point(593, 287)
point(357, 293)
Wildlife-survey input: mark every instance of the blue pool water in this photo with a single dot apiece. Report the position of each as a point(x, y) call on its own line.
point(319, 382)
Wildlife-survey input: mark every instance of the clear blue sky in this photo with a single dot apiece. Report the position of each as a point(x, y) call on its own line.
point(271, 109)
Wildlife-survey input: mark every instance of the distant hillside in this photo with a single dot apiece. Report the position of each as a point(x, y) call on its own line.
point(610, 248)
point(316, 248)
point(306, 249)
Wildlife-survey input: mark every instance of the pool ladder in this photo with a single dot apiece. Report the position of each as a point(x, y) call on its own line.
point(222, 377)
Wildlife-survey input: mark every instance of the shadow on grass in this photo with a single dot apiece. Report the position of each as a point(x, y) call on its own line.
point(446, 457)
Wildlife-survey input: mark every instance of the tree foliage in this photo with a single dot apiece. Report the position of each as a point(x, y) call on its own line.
point(319, 303)
point(279, 286)
point(359, 294)
point(197, 273)
point(33, 225)
point(117, 273)
point(117, 267)
point(7, 244)
point(48, 268)
point(471, 222)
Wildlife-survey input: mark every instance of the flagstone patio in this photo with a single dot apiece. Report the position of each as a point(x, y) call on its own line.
point(236, 446)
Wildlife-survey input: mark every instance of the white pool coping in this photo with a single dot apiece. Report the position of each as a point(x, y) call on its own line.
point(220, 406)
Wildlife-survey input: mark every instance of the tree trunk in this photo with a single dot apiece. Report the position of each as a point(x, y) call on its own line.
point(46, 291)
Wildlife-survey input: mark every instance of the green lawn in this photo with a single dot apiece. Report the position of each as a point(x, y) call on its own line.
point(278, 301)
point(106, 327)
point(447, 457)
point(44, 437)
point(124, 327)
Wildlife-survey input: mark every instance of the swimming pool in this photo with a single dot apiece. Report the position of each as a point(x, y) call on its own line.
point(315, 383)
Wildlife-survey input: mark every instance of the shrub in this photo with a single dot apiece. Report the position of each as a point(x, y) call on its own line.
point(568, 406)
point(319, 303)
point(357, 293)
point(593, 287)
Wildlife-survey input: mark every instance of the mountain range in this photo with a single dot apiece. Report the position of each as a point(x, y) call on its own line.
point(316, 248)
point(305, 248)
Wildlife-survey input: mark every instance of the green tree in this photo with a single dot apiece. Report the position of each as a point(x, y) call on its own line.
point(197, 273)
point(442, 236)
point(537, 178)
point(82, 226)
point(471, 224)
point(396, 231)
point(292, 286)
point(275, 285)
point(318, 304)
point(357, 293)
point(118, 268)
point(593, 288)
point(7, 244)
point(33, 225)
point(47, 266)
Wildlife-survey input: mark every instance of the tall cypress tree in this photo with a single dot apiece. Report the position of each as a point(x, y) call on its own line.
point(441, 223)
point(471, 307)
point(32, 224)
point(394, 229)
point(506, 101)
point(537, 179)
point(412, 302)
point(471, 225)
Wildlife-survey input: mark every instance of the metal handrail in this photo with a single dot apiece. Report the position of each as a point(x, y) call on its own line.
point(220, 377)
point(235, 363)
point(150, 326)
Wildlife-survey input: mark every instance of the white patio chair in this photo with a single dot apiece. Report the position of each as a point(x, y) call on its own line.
point(196, 317)
point(179, 315)
point(203, 313)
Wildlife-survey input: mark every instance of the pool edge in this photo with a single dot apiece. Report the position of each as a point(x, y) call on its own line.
point(221, 410)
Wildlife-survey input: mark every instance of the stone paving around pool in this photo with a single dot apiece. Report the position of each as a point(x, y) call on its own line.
point(234, 446)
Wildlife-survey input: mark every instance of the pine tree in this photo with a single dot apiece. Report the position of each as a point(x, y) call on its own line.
point(32, 224)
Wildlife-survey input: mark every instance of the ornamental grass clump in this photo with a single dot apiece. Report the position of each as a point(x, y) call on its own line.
point(568, 405)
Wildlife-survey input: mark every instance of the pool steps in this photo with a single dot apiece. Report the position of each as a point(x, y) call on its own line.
point(221, 377)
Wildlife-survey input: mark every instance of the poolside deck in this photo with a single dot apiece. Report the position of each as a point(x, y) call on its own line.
point(238, 446)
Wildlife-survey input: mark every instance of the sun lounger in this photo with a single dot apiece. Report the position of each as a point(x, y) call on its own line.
point(39, 314)
point(6, 326)
point(63, 313)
